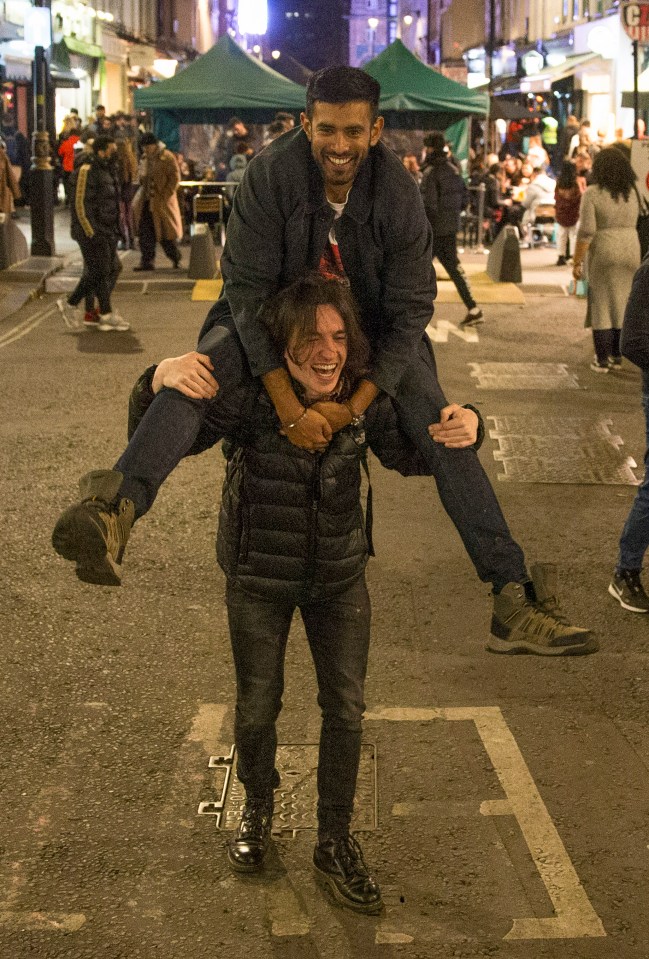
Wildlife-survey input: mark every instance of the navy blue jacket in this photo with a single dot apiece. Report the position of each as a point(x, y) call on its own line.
point(278, 230)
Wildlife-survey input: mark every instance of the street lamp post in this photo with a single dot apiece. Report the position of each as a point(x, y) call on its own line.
point(372, 23)
point(41, 181)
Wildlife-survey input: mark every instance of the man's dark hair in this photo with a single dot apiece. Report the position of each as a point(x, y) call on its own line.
point(102, 143)
point(342, 85)
point(283, 115)
point(148, 139)
point(100, 106)
point(291, 317)
point(612, 171)
point(435, 141)
point(567, 178)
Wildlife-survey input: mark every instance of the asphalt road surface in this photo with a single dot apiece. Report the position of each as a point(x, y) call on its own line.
point(503, 803)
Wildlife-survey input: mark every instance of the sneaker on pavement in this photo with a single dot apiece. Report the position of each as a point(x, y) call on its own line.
point(113, 322)
point(474, 317)
point(71, 315)
point(527, 619)
point(615, 363)
point(561, 261)
point(248, 848)
point(599, 368)
point(94, 532)
point(91, 318)
point(339, 863)
point(628, 590)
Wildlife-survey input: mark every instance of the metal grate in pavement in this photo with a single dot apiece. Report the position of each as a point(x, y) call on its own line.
point(523, 376)
point(297, 796)
point(553, 449)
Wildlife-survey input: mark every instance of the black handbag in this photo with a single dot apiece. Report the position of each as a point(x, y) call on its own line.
point(642, 224)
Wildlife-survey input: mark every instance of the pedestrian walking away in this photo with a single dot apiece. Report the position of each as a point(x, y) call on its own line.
point(95, 225)
point(608, 252)
point(155, 208)
point(331, 197)
point(445, 195)
point(626, 586)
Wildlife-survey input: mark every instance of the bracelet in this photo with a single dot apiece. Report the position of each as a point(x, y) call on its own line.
point(289, 426)
point(356, 418)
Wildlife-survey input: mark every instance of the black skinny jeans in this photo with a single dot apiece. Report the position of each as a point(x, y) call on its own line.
point(338, 632)
point(101, 268)
point(148, 239)
point(445, 249)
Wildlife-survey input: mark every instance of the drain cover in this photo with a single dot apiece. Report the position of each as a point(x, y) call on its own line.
point(297, 796)
point(547, 449)
point(523, 376)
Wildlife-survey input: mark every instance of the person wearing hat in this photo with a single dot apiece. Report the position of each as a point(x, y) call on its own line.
point(445, 196)
point(156, 211)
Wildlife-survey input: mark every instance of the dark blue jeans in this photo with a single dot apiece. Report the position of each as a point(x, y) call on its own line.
point(173, 421)
point(635, 535)
point(338, 632)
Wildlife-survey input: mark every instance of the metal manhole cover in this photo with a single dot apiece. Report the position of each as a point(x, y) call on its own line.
point(297, 796)
point(546, 449)
point(523, 376)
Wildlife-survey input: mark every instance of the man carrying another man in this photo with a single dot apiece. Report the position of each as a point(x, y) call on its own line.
point(330, 197)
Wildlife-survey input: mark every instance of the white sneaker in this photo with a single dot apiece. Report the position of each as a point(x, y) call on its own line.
point(72, 316)
point(113, 321)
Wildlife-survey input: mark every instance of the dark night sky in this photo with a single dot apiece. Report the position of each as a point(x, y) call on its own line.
point(318, 37)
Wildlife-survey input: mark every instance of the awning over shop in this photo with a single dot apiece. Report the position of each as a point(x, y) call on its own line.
point(415, 95)
point(542, 81)
point(82, 48)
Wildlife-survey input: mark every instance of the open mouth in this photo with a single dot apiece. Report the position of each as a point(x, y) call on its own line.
point(339, 161)
point(325, 371)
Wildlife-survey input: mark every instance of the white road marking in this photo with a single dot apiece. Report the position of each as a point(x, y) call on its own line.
point(574, 916)
point(35, 921)
point(438, 332)
point(287, 918)
point(25, 326)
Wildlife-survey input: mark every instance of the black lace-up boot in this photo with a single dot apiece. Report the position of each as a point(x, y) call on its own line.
point(339, 862)
point(248, 847)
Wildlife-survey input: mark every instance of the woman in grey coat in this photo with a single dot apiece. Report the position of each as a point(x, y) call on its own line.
point(609, 248)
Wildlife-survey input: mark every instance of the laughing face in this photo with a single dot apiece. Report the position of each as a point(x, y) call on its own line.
point(341, 135)
point(318, 361)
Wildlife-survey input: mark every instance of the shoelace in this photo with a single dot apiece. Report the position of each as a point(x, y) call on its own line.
point(350, 854)
point(254, 817)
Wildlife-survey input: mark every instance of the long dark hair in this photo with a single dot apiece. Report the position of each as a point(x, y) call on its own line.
point(568, 177)
point(613, 172)
point(290, 316)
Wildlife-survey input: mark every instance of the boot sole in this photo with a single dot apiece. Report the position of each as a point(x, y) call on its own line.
point(513, 647)
point(329, 883)
point(77, 538)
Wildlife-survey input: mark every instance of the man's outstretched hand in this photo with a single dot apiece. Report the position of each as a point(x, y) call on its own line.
point(190, 374)
point(457, 428)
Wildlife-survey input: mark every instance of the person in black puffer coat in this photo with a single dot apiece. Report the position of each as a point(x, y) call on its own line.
point(95, 225)
point(445, 196)
point(292, 535)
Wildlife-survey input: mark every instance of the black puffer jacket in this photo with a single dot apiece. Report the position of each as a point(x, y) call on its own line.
point(445, 195)
point(95, 207)
point(291, 525)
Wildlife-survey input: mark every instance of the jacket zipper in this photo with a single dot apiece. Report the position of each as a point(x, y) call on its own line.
point(314, 507)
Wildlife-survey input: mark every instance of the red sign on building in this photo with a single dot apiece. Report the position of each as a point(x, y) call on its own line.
point(635, 19)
